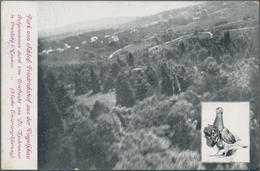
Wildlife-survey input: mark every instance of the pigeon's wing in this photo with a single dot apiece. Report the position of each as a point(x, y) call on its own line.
point(227, 136)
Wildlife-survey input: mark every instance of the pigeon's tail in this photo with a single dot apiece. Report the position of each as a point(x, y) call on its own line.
point(238, 144)
point(241, 145)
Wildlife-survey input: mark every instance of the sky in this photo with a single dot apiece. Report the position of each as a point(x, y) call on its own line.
point(53, 14)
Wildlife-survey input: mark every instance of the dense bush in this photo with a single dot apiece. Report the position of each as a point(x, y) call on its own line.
point(124, 92)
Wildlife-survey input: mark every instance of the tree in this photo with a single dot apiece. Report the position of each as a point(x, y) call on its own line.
point(108, 83)
point(151, 76)
point(98, 109)
point(166, 37)
point(95, 85)
point(203, 53)
point(85, 80)
point(49, 121)
point(227, 59)
point(82, 81)
point(166, 81)
point(193, 57)
point(92, 56)
point(114, 70)
point(247, 54)
point(130, 59)
point(50, 80)
point(141, 88)
point(157, 41)
point(119, 62)
point(182, 47)
point(227, 40)
point(89, 142)
point(63, 99)
point(212, 68)
point(124, 93)
point(77, 83)
point(103, 71)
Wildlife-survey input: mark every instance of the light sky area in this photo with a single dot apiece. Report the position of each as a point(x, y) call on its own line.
point(53, 14)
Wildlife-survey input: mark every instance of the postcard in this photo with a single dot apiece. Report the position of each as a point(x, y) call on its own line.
point(130, 85)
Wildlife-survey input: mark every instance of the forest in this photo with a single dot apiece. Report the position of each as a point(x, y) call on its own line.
point(141, 109)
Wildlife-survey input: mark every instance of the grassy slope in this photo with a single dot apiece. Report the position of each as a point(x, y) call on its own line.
point(89, 100)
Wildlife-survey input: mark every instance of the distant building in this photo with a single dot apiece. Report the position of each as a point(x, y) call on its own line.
point(115, 38)
point(93, 39)
point(60, 49)
point(49, 50)
point(77, 47)
point(67, 46)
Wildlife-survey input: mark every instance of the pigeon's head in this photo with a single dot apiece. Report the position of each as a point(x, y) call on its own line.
point(219, 111)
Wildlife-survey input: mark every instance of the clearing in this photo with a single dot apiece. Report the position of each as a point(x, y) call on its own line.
point(109, 99)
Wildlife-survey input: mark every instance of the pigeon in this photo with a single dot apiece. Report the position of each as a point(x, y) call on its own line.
point(218, 122)
point(226, 140)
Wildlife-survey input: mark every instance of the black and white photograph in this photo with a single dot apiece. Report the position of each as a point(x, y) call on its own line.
point(148, 85)
point(225, 136)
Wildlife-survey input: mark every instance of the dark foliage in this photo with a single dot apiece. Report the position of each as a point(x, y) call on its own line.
point(108, 83)
point(141, 88)
point(82, 81)
point(124, 93)
point(114, 70)
point(98, 109)
point(151, 76)
point(166, 85)
point(50, 112)
point(130, 59)
point(95, 85)
point(226, 40)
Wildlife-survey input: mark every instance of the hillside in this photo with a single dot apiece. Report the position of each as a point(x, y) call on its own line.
point(86, 26)
point(130, 98)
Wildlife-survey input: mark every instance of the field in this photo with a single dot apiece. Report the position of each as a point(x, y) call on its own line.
point(89, 100)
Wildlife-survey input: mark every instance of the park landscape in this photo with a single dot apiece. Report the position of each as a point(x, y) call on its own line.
point(130, 97)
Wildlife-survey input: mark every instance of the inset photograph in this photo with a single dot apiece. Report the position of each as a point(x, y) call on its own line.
point(225, 132)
